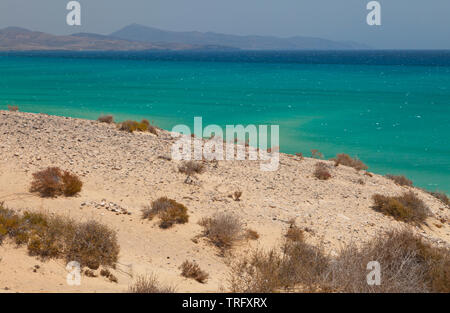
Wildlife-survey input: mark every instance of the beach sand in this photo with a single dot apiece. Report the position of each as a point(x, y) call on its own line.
point(126, 169)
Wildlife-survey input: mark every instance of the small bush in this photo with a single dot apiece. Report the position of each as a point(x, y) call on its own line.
point(53, 182)
point(169, 211)
point(143, 126)
point(13, 108)
point(321, 171)
point(71, 184)
point(109, 119)
point(400, 180)
point(345, 159)
point(407, 207)
point(190, 168)
point(176, 214)
point(129, 126)
point(222, 229)
point(299, 155)
point(149, 284)
point(192, 270)
point(257, 273)
point(92, 245)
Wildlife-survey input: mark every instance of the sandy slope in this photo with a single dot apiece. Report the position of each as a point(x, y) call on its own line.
point(125, 169)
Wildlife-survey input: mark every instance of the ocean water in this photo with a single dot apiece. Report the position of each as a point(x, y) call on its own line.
point(391, 109)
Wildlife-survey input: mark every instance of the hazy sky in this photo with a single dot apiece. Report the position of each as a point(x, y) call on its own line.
point(412, 24)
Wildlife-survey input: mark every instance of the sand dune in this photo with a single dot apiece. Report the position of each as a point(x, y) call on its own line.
point(125, 169)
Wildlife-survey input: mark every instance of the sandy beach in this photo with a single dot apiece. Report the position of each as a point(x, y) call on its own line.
point(123, 172)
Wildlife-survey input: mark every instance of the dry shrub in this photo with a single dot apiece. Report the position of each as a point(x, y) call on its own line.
point(223, 229)
point(129, 126)
point(169, 211)
point(321, 171)
point(176, 214)
point(192, 270)
point(89, 243)
point(295, 263)
point(407, 207)
point(47, 182)
point(257, 273)
point(299, 155)
point(400, 180)
point(191, 168)
point(345, 159)
point(53, 182)
point(149, 284)
point(93, 244)
point(13, 108)
point(304, 266)
point(109, 119)
point(71, 184)
point(408, 264)
point(143, 126)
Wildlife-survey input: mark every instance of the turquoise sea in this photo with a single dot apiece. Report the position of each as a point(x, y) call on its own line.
point(391, 109)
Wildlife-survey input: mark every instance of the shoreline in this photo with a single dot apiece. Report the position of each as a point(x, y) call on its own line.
point(126, 116)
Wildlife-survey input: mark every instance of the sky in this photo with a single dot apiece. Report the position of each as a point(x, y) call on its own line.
point(406, 24)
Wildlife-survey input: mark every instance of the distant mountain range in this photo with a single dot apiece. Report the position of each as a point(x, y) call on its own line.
point(141, 33)
point(137, 37)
